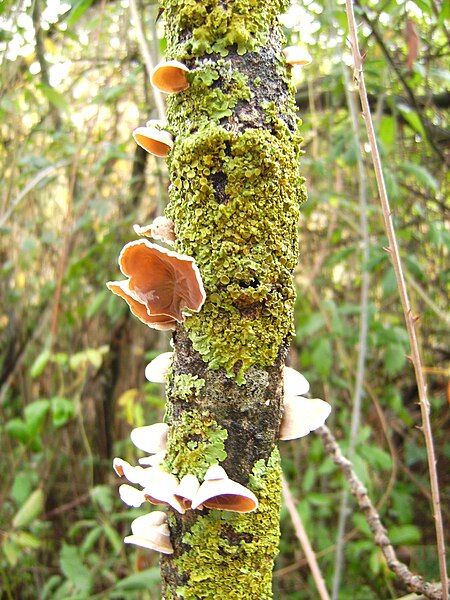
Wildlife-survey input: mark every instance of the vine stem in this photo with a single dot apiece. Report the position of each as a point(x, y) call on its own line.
point(410, 319)
point(363, 328)
point(148, 61)
point(302, 537)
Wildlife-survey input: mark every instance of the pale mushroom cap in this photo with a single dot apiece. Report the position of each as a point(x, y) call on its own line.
point(295, 384)
point(297, 55)
point(154, 460)
point(156, 141)
point(118, 465)
point(170, 77)
point(301, 416)
point(215, 472)
point(225, 494)
point(135, 474)
point(158, 542)
point(161, 228)
point(160, 488)
point(131, 495)
point(142, 526)
point(150, 438)
point(156, 370)
point(162, 282)
point(187, 489)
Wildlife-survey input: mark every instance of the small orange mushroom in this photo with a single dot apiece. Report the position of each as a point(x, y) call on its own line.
point(170, 76)
point(158, 142)
point(161, 284)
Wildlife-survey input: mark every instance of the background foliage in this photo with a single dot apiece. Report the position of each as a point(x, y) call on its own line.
point(72, 360)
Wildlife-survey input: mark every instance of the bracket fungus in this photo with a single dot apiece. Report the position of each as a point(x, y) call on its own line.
point(131, 496)
point(161, 228)
point(151, 531)
point(156, 370)
point(221, 493)
point(301, 415)
point(170, 76)
point(297, 55)
point(161, 284)
point(186, 490)
point(150, 438)
point(160, 488)
point(154, 138)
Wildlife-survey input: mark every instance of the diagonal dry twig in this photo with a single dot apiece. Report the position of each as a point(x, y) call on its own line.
point(412, 582)
point(401, 284)
point(302, 537)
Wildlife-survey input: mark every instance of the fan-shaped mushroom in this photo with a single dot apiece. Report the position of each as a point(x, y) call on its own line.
point(160, 488)
point(186, 490)
point(151, 531)
point(297, 55)
point(301, 416)
point(156, 370)
point(162, 229)
point(295, 384)
point(150, 438)
point(222, 493)
point(131, 496)
point(170, 76)
point(161, 284)
point(158, 142)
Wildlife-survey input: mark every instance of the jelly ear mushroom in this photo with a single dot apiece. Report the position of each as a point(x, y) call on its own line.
point(297, 55)
point(156, 141)
point(151, 531)
point(150, 438)
point(301, 416)
point(221, 493)
point(295, 384)
point(156, 370)
point(187, 489)
point(170, 77)
point(160, 488)
point(161, 285)
point(161, 229)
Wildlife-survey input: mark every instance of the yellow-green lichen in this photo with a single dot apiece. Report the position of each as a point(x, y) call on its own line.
point(245, 243)
point(231, 555)
point(212, 26)
point(207, 100)
point(194, 443)
point(185, 386)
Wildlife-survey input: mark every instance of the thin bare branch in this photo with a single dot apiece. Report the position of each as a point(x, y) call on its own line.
point(302, 537)
point(401, 284)
point(412, 582)
point(363, 327)
point(148, 61)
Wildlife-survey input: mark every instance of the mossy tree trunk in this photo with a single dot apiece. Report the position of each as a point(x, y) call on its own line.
point(235, 193)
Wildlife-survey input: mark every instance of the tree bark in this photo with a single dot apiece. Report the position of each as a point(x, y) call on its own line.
point(235, 193)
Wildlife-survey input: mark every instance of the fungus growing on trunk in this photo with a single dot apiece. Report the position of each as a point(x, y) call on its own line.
point(219, 492)
point(187, 489)
point(170, 76)
point(161, 229)
point(297, 55)
point(158, 142)
point(161, 284)
point(156, 370)
point(151, 531)
point(150, 438)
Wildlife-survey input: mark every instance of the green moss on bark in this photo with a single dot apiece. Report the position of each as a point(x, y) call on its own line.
point(186, 386)
point(195, 442)
point(246, 267)
point(212, 27)
point(230, 555)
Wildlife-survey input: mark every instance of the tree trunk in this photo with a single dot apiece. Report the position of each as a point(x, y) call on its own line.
point(234, 195)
